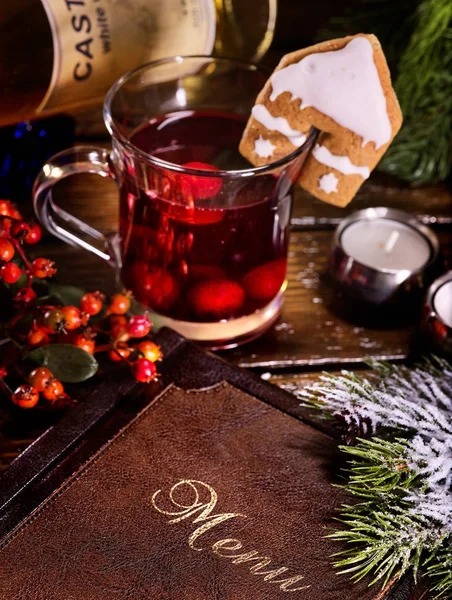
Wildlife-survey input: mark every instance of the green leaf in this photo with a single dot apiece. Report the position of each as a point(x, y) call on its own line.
point(68, 294)
point(53, 300)
point(68, 363)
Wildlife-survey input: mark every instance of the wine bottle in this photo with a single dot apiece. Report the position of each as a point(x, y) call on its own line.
point(59, 55)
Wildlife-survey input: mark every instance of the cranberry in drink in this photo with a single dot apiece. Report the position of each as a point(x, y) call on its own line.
point(200, 245)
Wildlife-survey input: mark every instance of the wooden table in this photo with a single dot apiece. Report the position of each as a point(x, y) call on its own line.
point(310, 335)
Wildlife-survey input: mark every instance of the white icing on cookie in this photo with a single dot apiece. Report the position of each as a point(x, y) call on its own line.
point(280, 124)
point(338, 162)
point(328, 183)
point(263, 148)
point(343, 84)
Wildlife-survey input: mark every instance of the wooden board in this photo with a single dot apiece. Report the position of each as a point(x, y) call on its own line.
point(312, 330)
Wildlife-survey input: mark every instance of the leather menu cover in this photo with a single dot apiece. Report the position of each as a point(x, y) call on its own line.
point(208, 494)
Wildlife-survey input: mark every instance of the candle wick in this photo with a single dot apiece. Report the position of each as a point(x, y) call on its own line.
point(392, 240)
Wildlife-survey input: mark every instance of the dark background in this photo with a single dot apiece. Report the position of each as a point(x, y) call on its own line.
point(299, 20)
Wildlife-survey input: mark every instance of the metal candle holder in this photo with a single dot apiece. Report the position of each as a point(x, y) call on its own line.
point(433, 325)
point(378, 286)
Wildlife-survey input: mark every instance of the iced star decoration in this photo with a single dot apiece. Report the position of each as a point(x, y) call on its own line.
point(263, 148)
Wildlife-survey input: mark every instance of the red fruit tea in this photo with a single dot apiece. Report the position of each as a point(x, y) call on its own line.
point(199, 247)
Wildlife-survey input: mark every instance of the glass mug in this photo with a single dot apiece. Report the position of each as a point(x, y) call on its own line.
point(204, 250)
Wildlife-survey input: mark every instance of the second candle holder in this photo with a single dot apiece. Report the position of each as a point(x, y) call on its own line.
point(383, 256)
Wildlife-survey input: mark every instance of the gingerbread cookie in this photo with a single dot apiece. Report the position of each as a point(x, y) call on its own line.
point(343, 88)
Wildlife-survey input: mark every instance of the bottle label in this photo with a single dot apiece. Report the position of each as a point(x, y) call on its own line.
point(97, 41)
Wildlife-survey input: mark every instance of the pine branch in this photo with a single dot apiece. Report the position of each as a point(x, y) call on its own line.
point(416, 36)
point(382, 467)
point(403, 518)
point(410, 400)
point(384, 543)
point(430, 380)
point(427, 55)
point(439, 569)
point(387, 533)
point(422, 152)
point(412, 472)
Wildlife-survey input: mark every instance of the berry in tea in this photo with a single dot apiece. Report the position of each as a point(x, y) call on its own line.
point(199, 247)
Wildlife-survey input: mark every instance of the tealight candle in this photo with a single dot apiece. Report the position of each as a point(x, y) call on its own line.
point(386, 245)
point(437, 315)
point(442, 303)
point(380, 254)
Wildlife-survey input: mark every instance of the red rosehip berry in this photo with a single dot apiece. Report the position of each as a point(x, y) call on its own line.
point(19, 230)
point(6, 250)
point(53, 320)
point(53, 390)
point(40, 377)
point(120, 352)
point(15, 214)
point(10, 272)
point(119, 304)
point(150, 350)
point(3, 372)
point(25, 297)
point(118, 320)
point(144, 370)
point(92, 303)
point(118, 328)
point(5, 225)
point(218, 299)
point(37, 336)
point(139, 326)
point(43, 267)
point(26, 396)
point(72, 317)
point(34, 235)
point(7, 208)
point(85, 342)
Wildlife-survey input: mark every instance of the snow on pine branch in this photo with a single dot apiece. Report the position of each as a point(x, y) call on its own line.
point(433, 460)
point(418, 400)
point(432, 505)
point(431, 382)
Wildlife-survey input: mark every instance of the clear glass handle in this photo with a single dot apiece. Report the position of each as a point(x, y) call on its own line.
point(73, 231)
